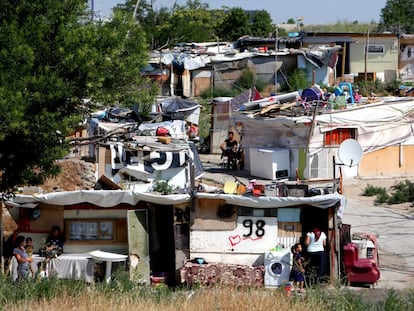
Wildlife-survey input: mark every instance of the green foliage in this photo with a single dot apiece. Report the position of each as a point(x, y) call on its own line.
point(382, 198)
point(401, 192)
point(342, 26)
point(345, 300)
point(261, 24)
point(235, 25)
point(204, 123)
point(397, 17)
point(51, 60)
point(296, 81)
point(260, 84)
point(31, 290)
point(246, 80)
point(371, 190)
point(163, 187)
point(392, 302)
point(189, 25)
point(219, 92)
point(122, 292)
point(369, 88)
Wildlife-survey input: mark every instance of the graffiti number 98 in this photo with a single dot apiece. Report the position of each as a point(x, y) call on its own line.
point(248, 223)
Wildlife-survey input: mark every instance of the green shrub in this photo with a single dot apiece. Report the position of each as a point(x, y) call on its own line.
point(261, 84)
point(296, 81)
point(403, 192)
point(371, 190)
point(247, 80)
point(219, 92)
point(393, 302)
point(382, 198)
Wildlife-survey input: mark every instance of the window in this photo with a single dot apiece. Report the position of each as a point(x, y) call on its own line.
point(376, 49)
point(90, 230)
point(257, 212)
point(335, 137)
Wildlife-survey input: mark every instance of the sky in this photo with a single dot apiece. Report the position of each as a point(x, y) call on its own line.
point(314, 12)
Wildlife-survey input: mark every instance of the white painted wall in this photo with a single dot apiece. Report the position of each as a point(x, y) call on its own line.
point(245, 244)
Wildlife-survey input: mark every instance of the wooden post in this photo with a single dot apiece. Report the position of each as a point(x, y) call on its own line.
point(366, 58)
point(343, 62)
point(1, 237)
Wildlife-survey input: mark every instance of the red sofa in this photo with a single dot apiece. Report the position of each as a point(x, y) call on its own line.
point(359, 270)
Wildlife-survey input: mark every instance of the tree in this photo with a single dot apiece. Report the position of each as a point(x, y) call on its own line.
point(149, 19)
point(235, 25)
point(52, 58)
point(397, 16)
point(191, 23)
point(262, 24)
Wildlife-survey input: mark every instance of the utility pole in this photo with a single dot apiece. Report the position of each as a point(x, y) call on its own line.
point(366, 57)
point(276, 49)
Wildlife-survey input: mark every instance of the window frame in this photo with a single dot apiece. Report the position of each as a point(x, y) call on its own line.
point(374, 47)
point(352, 133)
point(256, 212)
point(99, 238)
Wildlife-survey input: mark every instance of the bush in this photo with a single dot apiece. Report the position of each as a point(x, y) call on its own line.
point(297, 81)
point(247, 80)
point(402, 192)
point(371, 190)
point(219, 92)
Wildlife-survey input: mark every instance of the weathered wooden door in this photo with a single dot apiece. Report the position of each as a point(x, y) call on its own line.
point(138, 246)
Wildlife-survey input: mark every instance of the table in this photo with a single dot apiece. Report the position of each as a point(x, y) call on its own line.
point(109, 258)
point(66, 266)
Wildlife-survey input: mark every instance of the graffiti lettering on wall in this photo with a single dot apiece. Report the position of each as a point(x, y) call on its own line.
point(252, 229)
point(257, 227)
point(161, 160)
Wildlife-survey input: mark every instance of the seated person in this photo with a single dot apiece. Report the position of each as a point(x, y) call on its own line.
point(54, 242)
point(229, 146)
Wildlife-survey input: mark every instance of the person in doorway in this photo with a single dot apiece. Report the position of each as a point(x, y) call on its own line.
point(229, 149)
point(23, 259)
point(297, 275)
point(316, 242)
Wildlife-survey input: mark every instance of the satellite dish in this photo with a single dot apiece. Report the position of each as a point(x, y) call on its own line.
point(350, 152)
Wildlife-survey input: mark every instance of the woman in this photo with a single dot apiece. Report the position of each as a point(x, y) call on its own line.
point(316, 242)
point(23, 259)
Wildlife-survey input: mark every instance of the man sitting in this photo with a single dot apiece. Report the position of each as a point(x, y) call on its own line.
point(229, 149)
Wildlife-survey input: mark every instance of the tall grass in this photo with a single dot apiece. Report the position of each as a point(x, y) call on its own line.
point(121, 294)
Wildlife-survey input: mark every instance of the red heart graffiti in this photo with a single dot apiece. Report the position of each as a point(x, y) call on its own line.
point(234, 240)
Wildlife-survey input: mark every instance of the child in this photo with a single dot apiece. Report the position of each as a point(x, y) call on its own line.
point(29, 250)
point(41, 270)
point(297, 273)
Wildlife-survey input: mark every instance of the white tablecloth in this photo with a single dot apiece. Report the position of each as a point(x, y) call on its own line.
point(68, 266)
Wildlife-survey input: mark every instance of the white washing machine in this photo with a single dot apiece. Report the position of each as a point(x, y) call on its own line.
point(277, 267)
